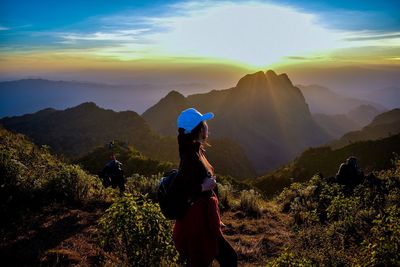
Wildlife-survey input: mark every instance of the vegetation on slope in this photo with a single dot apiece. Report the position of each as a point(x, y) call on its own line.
point(226, 156)
point(77, 131)
point(318, 222)
point(372, 155)
point(32, 177)
point(133, 161)
point(335, 225)
point(33, 180)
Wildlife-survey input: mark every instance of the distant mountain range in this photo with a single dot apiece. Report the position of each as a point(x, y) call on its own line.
point(30, 95)
point(363, 114)
point(264, 113)
point(383, 125)
point(339, 124)
point(336, 125)
point(77, 131)
point(351, 81)
point(323, 100)
point(264, 120)
point(388, 96)
point(132, 91)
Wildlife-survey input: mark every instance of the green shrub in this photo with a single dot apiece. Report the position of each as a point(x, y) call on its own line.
point(225, 196)
point(32, 177)
point(250, 203)
point(338, 226)
point(383, 245)
point(135, 229)
point(71, 183)
point(143, 184)
point(290, 259)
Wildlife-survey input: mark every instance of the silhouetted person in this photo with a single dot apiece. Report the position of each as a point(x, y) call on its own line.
point(112, 174)
point(349, 173)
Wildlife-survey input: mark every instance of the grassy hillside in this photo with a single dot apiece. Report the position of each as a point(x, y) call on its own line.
point(372, 155)
point(54, 213)
point(67, 218)
point(45, 202)
point(133, 161)
point(76, 131)
point(335, 225)
point(32, 177)
point(225, 156)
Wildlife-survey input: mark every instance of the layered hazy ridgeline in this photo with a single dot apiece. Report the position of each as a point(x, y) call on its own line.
point(383, 125)
point(264, 114)
point(261, 123)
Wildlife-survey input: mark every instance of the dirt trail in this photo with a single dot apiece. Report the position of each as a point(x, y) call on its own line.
point(256, 240)
point(56, 236)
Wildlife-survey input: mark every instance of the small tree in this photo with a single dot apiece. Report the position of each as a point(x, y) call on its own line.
point(135, 229)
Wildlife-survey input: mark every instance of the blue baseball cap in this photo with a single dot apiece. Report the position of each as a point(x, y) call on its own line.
point(190, 118)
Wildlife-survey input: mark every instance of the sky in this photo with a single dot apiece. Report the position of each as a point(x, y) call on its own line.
point(120, 41)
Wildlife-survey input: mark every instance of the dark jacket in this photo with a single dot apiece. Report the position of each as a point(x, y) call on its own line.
point(193, 167)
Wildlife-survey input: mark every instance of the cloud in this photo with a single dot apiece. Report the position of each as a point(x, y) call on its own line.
point(254, 33)
point(118, 35)
point(373, 36)
point(303, 58)
point(250, 33)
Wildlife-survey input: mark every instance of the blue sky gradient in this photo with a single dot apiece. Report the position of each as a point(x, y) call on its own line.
point(131, 30)
point(50, 15)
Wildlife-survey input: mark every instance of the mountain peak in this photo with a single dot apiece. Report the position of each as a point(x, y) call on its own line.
point(270, 73)
point(174, 94)
point(162, 116)
point(87, 105)
point(273, 78)
point(285, 78)
point(250, 80)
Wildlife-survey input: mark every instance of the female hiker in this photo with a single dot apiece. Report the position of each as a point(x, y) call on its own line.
point(198, 236)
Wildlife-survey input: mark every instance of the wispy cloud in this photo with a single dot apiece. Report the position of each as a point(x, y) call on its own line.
point(116, 35)
point(304, 58)
point(373, 36)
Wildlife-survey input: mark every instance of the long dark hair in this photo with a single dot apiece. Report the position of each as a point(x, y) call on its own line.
point(189, 142)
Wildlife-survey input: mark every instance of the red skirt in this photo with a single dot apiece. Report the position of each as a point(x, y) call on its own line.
point(195, 235)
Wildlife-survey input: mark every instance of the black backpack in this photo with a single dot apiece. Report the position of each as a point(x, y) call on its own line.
point(171, 196)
